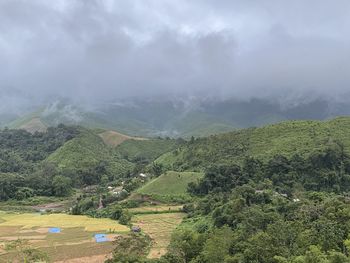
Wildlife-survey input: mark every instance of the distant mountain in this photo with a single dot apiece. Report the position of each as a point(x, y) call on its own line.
point(174, 117)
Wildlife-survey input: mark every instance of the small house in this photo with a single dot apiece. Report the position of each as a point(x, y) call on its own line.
point(136, 229)
point(117, 190)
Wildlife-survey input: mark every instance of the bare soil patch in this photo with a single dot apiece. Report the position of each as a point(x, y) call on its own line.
point(92, 259)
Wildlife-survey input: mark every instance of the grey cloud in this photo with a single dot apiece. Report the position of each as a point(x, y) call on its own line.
point(101, 50)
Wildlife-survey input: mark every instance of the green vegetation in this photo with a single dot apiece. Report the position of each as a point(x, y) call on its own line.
point(146, 150)
point(276, 194)
point(23, 172)
point(170, 186)
point(130, 248)
point(284, 209)
point(89, 151)
point(23, 252)
point(285, 138)
point(200, 124)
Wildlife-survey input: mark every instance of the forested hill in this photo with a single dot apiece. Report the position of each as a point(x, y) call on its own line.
point(21, 150)
point(52, 162)
point(286, 138)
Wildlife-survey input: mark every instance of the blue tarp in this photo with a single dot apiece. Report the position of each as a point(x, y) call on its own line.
point(54, 230)
point(101, 238)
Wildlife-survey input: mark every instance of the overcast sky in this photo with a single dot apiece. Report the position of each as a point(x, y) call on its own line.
point(111, 49)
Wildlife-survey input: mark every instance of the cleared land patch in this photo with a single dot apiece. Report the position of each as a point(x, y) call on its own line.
point(170, 184)
point(34, 125)
point(113, 138)
point(159, 227)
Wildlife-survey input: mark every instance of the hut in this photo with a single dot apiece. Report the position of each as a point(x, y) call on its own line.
point(136, 229)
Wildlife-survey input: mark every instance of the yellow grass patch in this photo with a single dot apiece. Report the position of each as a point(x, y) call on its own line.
point(42, 230)
point(13, 238)
point(156, 208)
point(114, 138)
point(80, 252)
point(29, 221)
point(159, 227)
point(75, 241)
point(91, 259)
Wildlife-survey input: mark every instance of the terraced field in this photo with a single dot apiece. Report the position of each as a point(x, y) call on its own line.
point(159, 227)
point(76, 239)
point(156, 209)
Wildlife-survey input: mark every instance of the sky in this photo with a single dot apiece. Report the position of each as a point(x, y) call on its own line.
point(93, 50)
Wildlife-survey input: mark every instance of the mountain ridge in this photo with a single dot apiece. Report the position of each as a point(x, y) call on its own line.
point(287, 138)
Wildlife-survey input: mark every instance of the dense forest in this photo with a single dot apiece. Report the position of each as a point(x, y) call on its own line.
point(23, 172)
point(54, 162)
point(283, 210)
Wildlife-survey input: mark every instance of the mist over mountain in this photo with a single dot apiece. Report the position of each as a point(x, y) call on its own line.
point(173, 68)
point(174, 117)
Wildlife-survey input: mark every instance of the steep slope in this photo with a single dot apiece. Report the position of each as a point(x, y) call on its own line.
point(88, 150)
point(285, 138)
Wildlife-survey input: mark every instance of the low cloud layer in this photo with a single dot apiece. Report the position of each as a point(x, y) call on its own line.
point(102, 50)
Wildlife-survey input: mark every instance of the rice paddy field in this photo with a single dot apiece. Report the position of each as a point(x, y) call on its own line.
point(74, 242)
point(156, 209)
point(159, 227)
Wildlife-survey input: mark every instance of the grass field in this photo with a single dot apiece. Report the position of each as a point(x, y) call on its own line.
point(75, 240)
point(173, 184)
point(159, 227)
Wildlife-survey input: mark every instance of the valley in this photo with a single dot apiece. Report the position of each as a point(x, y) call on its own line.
point(146, 195)
point(174, 131)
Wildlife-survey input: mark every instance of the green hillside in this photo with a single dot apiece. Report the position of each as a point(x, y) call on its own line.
point(285, 138)
point(171, 184)
point(88, 150)
point(147, 150)
point(197, 124)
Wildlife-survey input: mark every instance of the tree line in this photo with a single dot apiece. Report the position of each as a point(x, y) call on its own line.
point(283, 210)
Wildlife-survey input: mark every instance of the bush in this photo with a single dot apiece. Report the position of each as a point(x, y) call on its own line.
point(125, 217)
point(24, 193)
